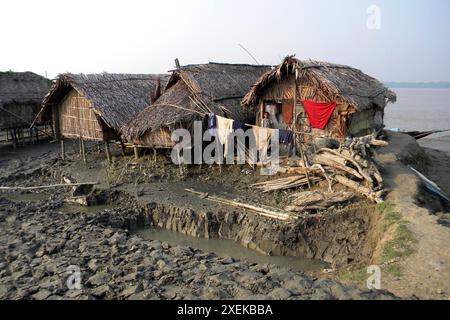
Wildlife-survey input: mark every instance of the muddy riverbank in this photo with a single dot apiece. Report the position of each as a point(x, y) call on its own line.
point(42, 234)
point(39, 242)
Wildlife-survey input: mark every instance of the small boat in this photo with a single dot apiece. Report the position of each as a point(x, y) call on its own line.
point(431, 186)
point(422, 134)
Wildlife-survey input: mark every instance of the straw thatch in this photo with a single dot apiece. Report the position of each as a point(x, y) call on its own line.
point(109, 99)
point(326, 81)
point(192, 92)
point(21, 94)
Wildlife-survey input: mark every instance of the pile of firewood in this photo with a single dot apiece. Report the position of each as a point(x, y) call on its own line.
point(351, 166)
point(285, 183)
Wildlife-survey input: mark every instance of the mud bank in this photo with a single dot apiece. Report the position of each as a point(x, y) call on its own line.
point(40, 239)
point(337, 237)
point(38, 242)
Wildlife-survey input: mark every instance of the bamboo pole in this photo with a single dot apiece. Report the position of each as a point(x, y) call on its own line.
point(14, 138)
point(83, 151)
point(294, 113)
point(122, 146)
point(79, 145)
point(264, 211)
point(63, 156)
point(305, 162)
point(136, 153)
point(108, 154)
point(49, 186)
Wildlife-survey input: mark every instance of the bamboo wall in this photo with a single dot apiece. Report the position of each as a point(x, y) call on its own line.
point(156, 139)
point(78, 119)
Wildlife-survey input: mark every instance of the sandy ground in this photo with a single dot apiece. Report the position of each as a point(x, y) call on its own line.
point(425, 273)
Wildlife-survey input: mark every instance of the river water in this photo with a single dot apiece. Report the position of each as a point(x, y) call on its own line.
point(422, 110)
point(229, 248)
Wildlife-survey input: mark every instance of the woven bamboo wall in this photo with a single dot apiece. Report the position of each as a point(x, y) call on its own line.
point(78, 119)
point(156, 139)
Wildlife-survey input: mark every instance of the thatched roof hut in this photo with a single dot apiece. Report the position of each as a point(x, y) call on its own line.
point(356, 94)
point(96, 106)
point(191, 92)
point(21, 94)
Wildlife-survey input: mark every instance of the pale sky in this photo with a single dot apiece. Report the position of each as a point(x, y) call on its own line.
point(412, 43)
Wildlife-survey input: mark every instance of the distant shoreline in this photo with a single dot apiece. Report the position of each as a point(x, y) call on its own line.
point(418, 85)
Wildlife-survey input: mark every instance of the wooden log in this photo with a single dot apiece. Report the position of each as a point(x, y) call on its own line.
point(353, 161)
point(317, 200)
point(261, 210)
point(335, 165)
point(49, 186)
point(374, 196)
point(335, 158)
point(378, 143)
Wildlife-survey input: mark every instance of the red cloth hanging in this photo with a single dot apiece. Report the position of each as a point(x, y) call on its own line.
point(318, 112)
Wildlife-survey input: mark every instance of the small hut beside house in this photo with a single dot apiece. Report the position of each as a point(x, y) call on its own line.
point(96, 106)
point(330, 100)
point(21, 94)
point(191, 93)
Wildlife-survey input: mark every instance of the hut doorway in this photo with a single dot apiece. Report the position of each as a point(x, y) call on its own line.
point(280, 113)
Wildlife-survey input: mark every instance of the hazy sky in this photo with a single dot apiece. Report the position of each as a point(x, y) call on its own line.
point(412, 44)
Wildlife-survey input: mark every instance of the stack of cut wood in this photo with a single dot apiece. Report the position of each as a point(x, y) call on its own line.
point(353, 167)
point(285, 183)
point(350, 166)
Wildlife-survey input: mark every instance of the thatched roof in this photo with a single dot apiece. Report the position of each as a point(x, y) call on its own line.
point(22, 88)
point(335, 82)
point(116, 98)
point(195, 90)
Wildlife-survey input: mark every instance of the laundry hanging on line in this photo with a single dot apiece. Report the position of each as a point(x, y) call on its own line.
point(285, 136)
point(318, 112)
point(224, 127)
point(211, 120)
